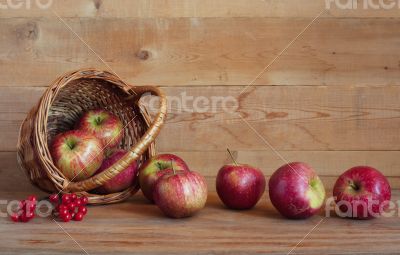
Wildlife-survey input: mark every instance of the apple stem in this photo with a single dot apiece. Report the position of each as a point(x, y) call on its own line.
point(172, 166)
point(354, 186)
point(230, 154)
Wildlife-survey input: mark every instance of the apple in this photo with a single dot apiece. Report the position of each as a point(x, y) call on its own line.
point(148, 172)
point(180, 194)
point(77, 154)
point(296, 191)
point(240, 186)
point(123, 180)
point(362, 192)
point(104, 125)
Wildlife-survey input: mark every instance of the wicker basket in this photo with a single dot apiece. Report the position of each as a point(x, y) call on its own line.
point(62, 105)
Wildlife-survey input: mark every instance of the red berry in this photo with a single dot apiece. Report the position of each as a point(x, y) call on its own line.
point(66, 198)
point(54, 198)
point(32, 198)
point(72, 206)
point(29, 215)
point(62, 207)
point(14, 217)
point(84, 200)
point(30, 206)
point(73, 197)
point(78, 216)
point(22, 205)
point(66, 217)
point(78, 202)
point(23, 217)
point(56, 208)
point(63, 212)
point(82, 210)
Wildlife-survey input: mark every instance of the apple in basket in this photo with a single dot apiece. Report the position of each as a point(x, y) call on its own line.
point(148, 173)
point(180, 194)
point(123, 180)
point(77, 154)
point(104, 125)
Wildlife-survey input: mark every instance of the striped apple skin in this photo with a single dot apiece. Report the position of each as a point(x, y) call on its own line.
point(180, 194)
point(296, 191)
point(371, 197)
point(104, 125)
point(77, 154)
point(240, 186)
point(125, 179)
point(149, 172)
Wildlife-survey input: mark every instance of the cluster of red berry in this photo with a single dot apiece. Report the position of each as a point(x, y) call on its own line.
point(71, 206)
point(26, 210)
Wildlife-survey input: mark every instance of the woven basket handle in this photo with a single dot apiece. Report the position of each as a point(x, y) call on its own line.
point(134, 153)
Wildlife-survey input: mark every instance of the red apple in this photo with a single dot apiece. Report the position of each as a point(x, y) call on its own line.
point(77, 154)
point(148, 172)
point(104, 125)
point(240, 186)
point(180, 193)
point(296, 191)
point(123, 180)
point(362, 192)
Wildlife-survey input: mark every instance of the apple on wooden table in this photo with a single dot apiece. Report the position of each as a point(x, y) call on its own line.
point(240, 186)
point(180, 194)
point(296, 191)
point(77, 154)
point(153, 168)
point(362, 192)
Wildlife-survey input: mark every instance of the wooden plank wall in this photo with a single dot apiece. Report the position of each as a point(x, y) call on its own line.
point(332, 99)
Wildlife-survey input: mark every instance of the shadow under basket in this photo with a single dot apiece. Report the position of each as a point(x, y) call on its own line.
point(61, 106)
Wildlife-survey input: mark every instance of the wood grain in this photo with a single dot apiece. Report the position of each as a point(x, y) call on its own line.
point(195, 8)
point(136, 227)
point(169, 9)
point(327, 164)
point(291, 118)
point(203, 51)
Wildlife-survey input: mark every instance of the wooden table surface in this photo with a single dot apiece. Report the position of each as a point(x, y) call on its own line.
point(137, 227)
